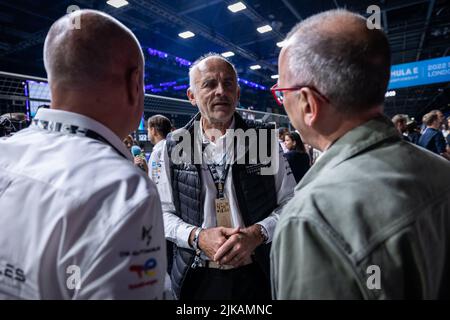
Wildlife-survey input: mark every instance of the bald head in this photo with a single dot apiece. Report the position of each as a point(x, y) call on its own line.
point(335, 52)
point(97, 70)
point(200, 64)
point(101, 52)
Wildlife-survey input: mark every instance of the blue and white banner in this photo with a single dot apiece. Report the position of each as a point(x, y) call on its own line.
point(420, 73)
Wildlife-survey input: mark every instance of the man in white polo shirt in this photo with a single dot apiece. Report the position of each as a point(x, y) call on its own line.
point(78, 220)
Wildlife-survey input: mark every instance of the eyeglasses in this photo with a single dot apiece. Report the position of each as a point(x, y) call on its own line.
point(279, 96)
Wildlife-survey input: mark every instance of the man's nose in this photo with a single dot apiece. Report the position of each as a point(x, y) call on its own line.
point(220, 90)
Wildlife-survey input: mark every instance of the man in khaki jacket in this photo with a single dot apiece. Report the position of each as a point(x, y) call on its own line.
point(371, 218)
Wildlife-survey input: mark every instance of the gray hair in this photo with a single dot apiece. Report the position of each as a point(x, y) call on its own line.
point(85, 56)
point(194, 66)
point(352, 70)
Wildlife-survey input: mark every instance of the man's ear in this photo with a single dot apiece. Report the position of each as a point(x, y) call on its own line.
point(135, 83)
point(310, 105)
point(191, 96)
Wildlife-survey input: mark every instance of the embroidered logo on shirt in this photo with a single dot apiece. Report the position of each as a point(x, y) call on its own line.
point(11, 275)
point(145, 270)
point(146, 234)
point(156, 171)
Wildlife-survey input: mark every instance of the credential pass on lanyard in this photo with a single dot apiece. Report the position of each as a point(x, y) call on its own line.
point(223, 212)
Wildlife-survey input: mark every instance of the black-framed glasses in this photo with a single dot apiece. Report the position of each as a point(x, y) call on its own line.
point(279, 96)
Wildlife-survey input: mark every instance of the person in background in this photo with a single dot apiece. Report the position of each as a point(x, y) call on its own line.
point(139, 157)
point(313, 153)
point(446, 127)
point(413, 131)
point(281, 133)
point(137, 153)
point(441, 120)
point(146, 155)
point(441, 117)
point(399, 122)
point(128, 142)
point(88, 227)
point(158, 127)
point(447, 135)
point(432, 138)
point(297, 157)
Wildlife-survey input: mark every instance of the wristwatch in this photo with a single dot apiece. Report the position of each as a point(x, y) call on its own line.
point(196, 238)
point(264, 233)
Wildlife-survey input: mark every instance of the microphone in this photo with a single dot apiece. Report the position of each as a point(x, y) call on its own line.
point(135, 151)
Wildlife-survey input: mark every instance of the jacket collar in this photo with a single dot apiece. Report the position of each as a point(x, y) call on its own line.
point(351, 144)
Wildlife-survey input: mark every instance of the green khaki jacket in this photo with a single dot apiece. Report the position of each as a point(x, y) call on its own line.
point(370, 220)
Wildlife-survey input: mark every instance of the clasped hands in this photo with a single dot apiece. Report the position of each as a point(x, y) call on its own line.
point(230, 246)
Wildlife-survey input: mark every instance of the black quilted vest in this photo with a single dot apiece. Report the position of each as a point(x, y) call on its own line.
point(256, 198)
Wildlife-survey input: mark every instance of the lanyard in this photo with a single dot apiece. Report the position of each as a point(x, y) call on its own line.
point(66, 128)
point(219, 181)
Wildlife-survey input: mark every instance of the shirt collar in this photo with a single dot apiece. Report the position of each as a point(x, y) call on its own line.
point(159, 144)
point(220, 148)
point(82, 121)
point(205, 140)
point(352, 143)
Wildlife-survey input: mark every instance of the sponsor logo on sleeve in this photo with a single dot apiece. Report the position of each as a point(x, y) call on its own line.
point(156, 171)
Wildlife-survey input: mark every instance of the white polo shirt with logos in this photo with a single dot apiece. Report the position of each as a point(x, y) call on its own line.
point(78, 220)
point(156, 163)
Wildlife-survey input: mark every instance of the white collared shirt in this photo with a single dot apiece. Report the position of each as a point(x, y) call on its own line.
point(178, 231)
point(156, 161)
point(78, 219)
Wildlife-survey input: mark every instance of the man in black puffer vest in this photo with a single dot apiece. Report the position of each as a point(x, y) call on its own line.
point(221, 224)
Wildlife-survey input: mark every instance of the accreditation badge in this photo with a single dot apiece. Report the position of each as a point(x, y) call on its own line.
point(223, 212)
